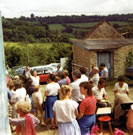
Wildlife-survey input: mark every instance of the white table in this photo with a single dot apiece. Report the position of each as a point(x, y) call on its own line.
point(103, 111)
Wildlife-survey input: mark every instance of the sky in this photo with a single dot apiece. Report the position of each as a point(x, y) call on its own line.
point(17, 8)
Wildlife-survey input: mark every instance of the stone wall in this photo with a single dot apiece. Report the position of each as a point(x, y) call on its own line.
point(120, 56)
point(93, 59)
point(83, 57)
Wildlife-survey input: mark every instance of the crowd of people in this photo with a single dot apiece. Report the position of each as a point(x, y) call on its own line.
point(70, 104)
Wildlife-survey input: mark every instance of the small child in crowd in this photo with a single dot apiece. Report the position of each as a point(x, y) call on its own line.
point(66, 113)
point(37, 104)
point(25, 125)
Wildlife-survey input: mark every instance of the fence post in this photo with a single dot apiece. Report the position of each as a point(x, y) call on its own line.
point(4, 123)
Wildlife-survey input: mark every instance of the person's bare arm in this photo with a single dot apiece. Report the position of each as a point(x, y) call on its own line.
point(46, 93)
point(127, 92)
point(76, 112)
point(80, 115)
point(105, 96)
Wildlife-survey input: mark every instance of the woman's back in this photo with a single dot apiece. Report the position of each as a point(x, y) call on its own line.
point(52, 89)
point(65, 110)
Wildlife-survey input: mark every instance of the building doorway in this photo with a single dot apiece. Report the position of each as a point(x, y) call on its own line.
point(106, 58)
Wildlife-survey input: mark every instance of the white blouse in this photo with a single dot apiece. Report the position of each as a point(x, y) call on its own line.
point(122, 89)
point(65, 110)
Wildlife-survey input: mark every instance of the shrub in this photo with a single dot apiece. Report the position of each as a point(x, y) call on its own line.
point(130, 59)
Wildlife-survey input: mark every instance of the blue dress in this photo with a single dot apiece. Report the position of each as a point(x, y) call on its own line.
point(86, 123)
point(50, 100)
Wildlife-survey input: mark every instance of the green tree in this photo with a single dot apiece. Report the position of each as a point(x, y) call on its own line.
point(13, 56)
point(130, 59)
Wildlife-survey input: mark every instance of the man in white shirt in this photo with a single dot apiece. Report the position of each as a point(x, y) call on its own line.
point(95, 78)
point(27, 72)
point(76, 95)
point(100, 94)
point(104, 74)
point(83, 72)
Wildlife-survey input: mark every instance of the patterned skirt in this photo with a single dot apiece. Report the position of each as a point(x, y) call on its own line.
point(69, 128)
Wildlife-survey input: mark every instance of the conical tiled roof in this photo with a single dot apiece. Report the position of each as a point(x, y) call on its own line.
point(103, 37)
point(103, 30)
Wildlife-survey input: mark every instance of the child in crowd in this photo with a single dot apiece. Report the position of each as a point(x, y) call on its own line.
point(27, 122)
point(87, 116)
point(37, 103)
point(66, 111)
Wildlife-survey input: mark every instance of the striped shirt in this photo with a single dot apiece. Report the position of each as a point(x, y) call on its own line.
point(88, 105)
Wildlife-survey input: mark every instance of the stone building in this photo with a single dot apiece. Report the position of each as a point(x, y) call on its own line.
point(102, 45)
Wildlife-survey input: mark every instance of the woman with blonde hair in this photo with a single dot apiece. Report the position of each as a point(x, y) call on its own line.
point(66, 112)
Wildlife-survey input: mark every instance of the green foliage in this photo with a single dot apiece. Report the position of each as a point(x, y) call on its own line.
point(13, 55)
point(82, 25)
point(54, 27)
point(35, 54)
point(36, 29)
point(130, 59)
point(17, 30)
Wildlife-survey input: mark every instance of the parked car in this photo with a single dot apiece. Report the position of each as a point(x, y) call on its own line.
point(37, 68)
point(54, 65)
point(43, 71)
point(129, 72)
point(43, 77)
point(19, 69)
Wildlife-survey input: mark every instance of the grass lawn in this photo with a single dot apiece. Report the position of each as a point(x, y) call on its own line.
point(55, 27)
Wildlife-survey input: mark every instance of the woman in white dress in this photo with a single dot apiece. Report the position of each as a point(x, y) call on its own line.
point(66, 113)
